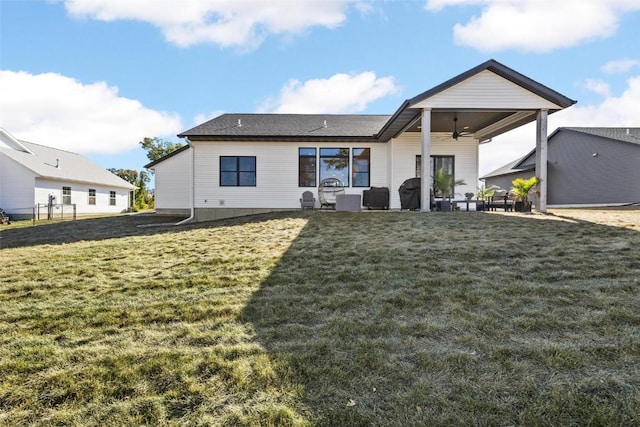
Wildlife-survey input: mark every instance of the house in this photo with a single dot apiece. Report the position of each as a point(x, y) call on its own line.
point(586, 167)
point(238, 164)
point(32, 174)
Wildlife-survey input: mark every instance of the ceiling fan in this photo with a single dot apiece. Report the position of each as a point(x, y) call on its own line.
point(462, 133)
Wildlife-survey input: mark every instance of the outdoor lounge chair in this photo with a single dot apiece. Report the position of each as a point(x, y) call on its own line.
point(4, 218)
point(307, 201)
point(328, 190)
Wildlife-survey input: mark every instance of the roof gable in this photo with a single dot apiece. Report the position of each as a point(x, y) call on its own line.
point(486, 90)
point(174, 153)
point(505, 73)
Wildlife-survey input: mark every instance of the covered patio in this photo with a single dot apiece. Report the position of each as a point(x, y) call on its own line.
point(481, 103)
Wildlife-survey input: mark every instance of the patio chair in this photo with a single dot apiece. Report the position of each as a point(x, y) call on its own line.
point(4, 218)
point(307, 201)
point(328, 190)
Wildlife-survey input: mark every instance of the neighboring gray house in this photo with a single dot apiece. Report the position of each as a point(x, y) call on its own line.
point(31, 174)
point(585, 167)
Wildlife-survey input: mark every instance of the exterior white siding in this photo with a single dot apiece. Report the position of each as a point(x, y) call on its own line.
point(173, 182)
point(16, 187)
point(486, 90)
point(277, 170)
point(276, 173)
point(80, 196)
point(405, 149)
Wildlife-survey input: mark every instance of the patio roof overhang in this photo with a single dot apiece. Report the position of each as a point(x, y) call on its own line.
point(479, 112)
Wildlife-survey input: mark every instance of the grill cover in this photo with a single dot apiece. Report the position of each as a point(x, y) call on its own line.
point(376, 198)
point(410, 194)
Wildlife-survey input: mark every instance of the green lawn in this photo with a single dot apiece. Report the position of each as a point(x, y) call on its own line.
point(322, 318)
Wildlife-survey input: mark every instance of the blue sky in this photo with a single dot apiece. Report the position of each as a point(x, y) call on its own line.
point(97, 76)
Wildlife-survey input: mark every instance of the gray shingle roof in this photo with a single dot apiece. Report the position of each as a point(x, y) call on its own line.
point(72, 166)
point(509, 168)
point(350, 127)
point(299, 126)
point(624, 134)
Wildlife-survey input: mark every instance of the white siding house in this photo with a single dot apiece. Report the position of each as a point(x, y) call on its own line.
point(173, 179)
point(30, 174)
point(247, 163)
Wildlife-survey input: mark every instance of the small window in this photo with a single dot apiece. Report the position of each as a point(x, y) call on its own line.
point(237, 171)
point(307, 167)
point(92, 196)
point(112, 198)
point(66, 195)
point(360, 162)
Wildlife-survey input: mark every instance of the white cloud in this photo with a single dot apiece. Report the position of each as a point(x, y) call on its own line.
point(536, 25)
point(620, 66)
point(598, 86)
point(613, 111)
point(201, 118)
point(341, 93)
point(228, 23)
point(61, 112)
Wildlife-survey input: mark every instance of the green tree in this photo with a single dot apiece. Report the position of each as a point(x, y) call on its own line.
point(142, 198)
point(157, 148)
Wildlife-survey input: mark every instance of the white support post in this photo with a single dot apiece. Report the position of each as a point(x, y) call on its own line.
point(425, 178)
point(541, 158)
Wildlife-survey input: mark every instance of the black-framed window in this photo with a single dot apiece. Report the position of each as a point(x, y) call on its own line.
point(334, 163)
point(112, 198)
point(307, 167)
point(237, 171)
point(360, 164)
point(66, 195)
point(92, 196)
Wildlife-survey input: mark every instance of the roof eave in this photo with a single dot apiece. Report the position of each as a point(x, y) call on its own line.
point(286, 138)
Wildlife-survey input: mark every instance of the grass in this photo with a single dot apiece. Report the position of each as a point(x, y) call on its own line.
point(327, 319)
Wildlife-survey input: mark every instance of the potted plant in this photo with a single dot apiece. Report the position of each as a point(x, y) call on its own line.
point(521, 189)
point(444, 185)
point(469, 195)
point(486, 195)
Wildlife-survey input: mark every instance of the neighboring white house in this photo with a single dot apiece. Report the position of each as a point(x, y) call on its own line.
point(239, 164)
point(32, 174)
point(587, 166)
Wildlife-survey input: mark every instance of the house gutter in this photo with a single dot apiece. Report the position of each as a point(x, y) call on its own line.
point(193, 186)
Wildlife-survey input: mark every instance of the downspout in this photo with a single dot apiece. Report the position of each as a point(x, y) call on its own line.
point(193, 186)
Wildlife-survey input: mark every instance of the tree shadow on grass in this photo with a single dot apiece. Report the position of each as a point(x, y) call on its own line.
point(455, 319)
